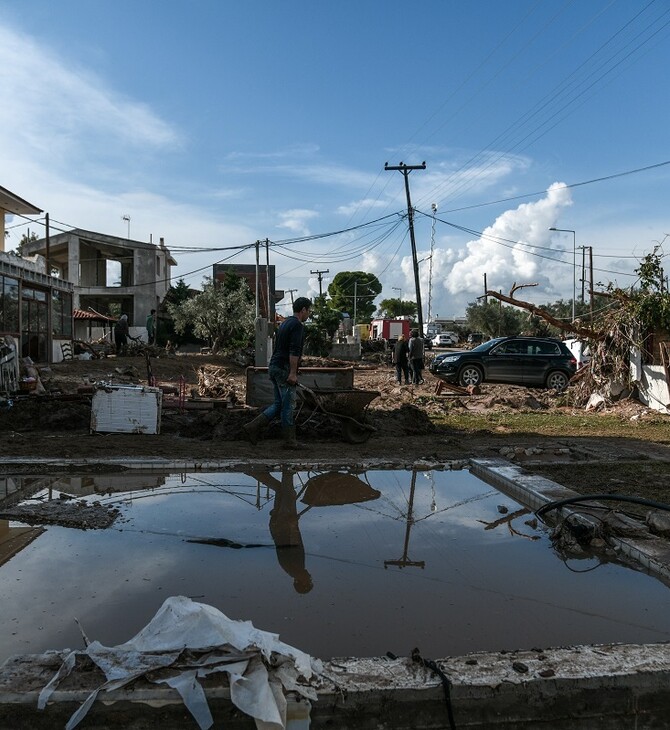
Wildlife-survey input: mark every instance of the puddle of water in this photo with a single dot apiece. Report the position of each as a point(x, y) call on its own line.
point(338, 564)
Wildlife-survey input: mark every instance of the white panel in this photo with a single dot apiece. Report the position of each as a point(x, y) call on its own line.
point(126, 409)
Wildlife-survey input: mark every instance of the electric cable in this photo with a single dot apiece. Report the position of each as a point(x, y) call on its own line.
point(541, 511)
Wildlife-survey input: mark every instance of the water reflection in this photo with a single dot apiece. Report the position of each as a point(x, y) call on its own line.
point(306, 557)
point(321, 490)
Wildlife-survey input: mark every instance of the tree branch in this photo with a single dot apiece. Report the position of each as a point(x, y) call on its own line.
point(585, 332)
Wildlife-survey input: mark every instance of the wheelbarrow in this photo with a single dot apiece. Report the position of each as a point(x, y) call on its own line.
point(349, 407)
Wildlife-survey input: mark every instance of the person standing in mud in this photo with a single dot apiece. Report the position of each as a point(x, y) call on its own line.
point(283, 372)
point(416, 353)
point(400, 360)
point(151, 327)
point(121, 332)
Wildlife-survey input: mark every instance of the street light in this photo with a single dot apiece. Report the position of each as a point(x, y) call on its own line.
point(574, 264)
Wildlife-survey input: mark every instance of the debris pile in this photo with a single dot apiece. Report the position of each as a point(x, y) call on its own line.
point(187, 642)
point(217, 382)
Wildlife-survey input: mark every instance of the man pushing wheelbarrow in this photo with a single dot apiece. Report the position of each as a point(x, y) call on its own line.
point(283, 372)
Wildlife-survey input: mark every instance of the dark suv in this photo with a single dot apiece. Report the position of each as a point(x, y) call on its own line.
point(538, 361)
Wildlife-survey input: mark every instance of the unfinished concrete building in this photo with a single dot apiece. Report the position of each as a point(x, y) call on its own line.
point(111, 275)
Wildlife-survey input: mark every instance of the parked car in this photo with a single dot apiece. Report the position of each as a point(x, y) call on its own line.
point(476, 338)
point(519, 360)
point(445, 339)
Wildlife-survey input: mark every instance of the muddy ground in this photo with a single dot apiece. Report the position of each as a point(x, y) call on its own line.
point(409, 422)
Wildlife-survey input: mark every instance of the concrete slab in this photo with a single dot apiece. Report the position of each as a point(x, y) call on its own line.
point(581, 687)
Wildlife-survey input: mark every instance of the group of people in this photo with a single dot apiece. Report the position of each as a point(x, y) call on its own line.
point(408, 359)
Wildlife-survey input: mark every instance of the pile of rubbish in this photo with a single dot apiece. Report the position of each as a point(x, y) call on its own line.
point(186, 642)
point(217, 382)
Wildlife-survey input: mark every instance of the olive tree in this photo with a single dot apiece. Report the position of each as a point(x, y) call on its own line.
point(222, 314)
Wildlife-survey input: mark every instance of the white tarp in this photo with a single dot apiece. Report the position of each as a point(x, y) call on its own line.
point(188, 640)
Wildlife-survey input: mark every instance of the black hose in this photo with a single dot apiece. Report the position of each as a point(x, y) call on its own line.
point(446, 683)
point(601, 498)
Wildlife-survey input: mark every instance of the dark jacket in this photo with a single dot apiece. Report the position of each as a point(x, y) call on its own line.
point(289, 341)
point(416, 348)
point(400, 352)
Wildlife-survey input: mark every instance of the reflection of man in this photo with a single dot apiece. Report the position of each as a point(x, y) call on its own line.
point(285, 530)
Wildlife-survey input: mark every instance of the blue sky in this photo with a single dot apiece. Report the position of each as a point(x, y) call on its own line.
point(214, 123)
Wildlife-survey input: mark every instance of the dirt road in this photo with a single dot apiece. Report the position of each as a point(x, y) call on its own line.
point(411, 427)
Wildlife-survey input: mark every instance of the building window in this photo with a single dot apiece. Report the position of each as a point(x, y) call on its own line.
point(34, 324)
point(9, 305)
point(61, 323)
point(158, 265)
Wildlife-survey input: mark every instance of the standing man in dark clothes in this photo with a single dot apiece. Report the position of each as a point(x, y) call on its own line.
point(121, 333)
point(416, 357)
point(400, 360)
point(283, 372)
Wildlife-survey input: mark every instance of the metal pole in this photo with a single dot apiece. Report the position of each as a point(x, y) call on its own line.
point(430, 269)
point(406, 169)
point(574, 273)
point(258, 267)
point(267, 273)
point(355, 298)
point(591, 284)
point(574, 264)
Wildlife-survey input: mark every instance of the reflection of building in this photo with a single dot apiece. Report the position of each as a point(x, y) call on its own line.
point(110, 270)
point(35, 308)
point(14, 539)
point(248, 273)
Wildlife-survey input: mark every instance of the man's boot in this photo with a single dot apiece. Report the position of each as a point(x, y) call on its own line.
point(290, 442)
point(253, 429)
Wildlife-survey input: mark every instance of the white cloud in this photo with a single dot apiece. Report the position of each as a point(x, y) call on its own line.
point(505, 251)
point(358, 206)
point(67, 116)
point(296, 220)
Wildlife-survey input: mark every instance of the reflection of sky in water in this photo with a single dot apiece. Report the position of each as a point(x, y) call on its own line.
point(478, 588)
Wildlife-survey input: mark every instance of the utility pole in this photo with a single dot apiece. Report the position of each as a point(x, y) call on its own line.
point(486, 299)
point(405, 170)
point(430, 270)
point(290, 291)
point(325, 271)
point(355, 298)
point(267, 273)
point(47, 241)
point(258, 268)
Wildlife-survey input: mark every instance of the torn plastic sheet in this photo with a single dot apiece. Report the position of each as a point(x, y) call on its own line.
point(186, 641)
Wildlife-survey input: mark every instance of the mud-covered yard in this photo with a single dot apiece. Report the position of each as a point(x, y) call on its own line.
point(620, 449)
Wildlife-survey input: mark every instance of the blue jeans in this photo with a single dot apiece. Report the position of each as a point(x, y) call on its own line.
point(284, 396)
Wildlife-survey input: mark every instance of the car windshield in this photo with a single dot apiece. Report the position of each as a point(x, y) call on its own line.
point(485, 346)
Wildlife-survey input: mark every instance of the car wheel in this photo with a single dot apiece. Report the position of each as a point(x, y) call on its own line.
point(556, 380)
point(470, 375)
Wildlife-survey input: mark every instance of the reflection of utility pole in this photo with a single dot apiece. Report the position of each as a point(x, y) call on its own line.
point(405, 170)
point(325, 271)
point(405, 562)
